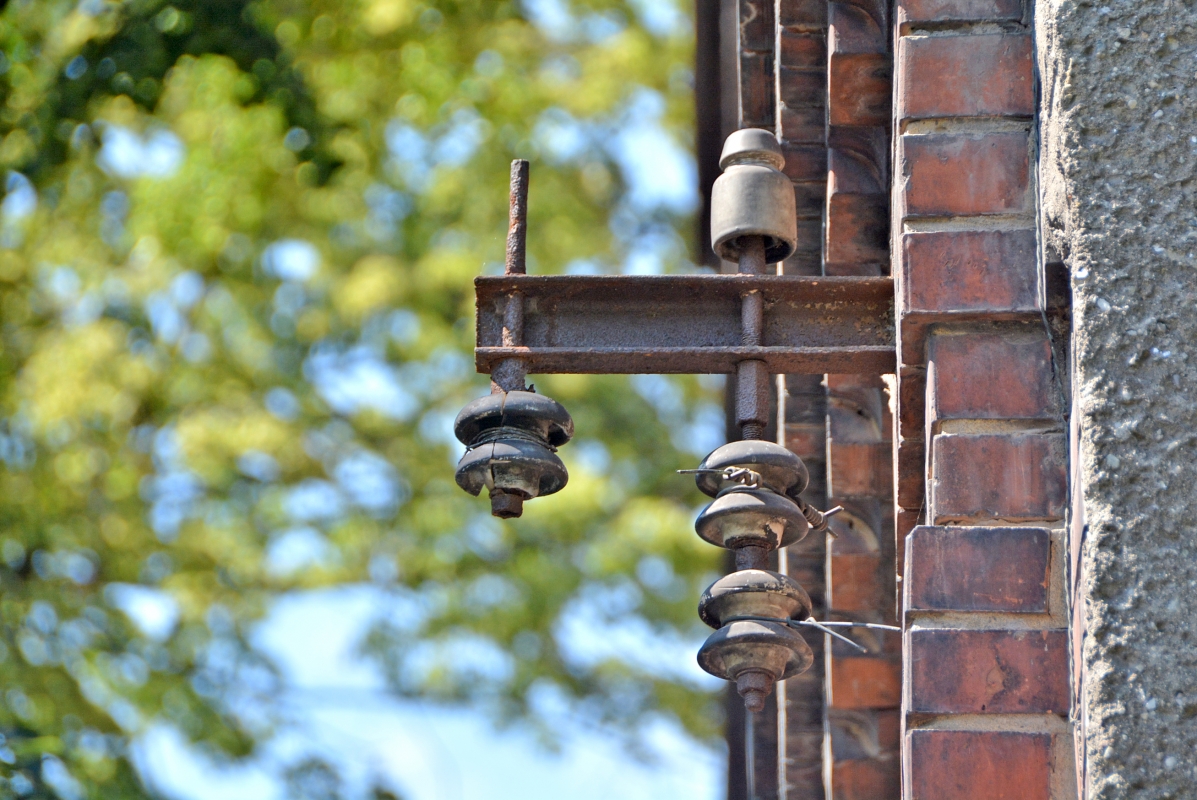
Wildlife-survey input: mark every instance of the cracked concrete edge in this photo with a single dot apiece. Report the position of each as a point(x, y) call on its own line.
point(1117, 158)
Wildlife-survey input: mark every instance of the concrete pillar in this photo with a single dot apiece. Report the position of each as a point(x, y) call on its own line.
point(1117, 156)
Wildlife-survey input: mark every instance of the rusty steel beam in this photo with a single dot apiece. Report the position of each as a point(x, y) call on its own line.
point(688, 323)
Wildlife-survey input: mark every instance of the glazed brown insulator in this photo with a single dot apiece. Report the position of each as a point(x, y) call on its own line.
point(753, 646)
point(511, 440)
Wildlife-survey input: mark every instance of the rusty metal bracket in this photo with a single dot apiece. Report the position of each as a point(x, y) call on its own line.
point(625, 324)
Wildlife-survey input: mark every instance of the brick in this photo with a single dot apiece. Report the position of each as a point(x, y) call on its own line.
point(863, 682)
point(905, 520)
point(963, 371)
point(855, 166)
point(861, 89)
point(956, 174)
point(756, 24)
point(842, 385)
point(857, 230)
point(804, 778)
point(979, 765)
point(805, 163)
point(854, 583)
point(812, 577)
point(804, 704)
point(912, 401)
point(889, 729)
point(809, 197)
point(804, 125)
point(865, 779)
point(810, 235)
point(911, 466)
point(859, 411)
point(853, 734)
point(968, 271)
point(852, 28)
point(977, 569)
point(973, 76)
point(798, 88)
point(860, 469)
point(989, 671)
point(803, 263)
point(806, 440)
point(913, 11)
point(803, 13)
point(1012, 477)
point(756, 90)
point(856, 269)
point(803, 50)
point(806, 746)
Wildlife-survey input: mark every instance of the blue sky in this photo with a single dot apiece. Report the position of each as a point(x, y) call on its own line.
point(339, 709)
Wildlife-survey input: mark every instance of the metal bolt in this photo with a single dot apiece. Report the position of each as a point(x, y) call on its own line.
point(509, 374)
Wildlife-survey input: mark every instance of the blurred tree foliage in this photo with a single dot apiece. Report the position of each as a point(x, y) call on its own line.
point(236, 252)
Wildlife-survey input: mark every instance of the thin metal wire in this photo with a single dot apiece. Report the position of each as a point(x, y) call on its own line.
point(872, 625)
point(740, 475)
point(823, 626)
point(750, 753)
point(830, 632)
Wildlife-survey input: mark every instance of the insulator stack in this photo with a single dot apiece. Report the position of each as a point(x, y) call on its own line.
point(756, 486)
point(511, 441)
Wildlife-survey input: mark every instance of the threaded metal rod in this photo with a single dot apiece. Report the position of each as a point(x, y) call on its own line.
point(517, 225)
point(750, 753)
point(509, 375)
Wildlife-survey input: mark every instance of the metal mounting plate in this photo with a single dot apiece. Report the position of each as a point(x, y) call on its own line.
point(688, 323)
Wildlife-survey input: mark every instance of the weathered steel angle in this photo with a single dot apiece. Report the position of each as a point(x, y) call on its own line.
point(688, 323)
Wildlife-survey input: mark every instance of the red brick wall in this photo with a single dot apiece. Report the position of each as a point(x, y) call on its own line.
point(975, 696)
point(863, 689)
point(980, 444)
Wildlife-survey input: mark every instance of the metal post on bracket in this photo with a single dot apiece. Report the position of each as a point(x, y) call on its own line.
point(508, 375)
point(753, 223)
point(750, 325)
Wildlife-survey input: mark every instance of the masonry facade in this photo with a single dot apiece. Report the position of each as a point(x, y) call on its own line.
point(910, 131)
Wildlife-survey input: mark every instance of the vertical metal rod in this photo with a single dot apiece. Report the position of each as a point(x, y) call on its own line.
point(750, 753)
point(752, 389)
point(513, 321)
point(509, 375)
point(752, 255)
point(752, 318)
point(517, 225)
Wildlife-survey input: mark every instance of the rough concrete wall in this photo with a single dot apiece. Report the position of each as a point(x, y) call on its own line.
point(1118, 152)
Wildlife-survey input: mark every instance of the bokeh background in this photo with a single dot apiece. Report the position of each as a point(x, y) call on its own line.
point(237, 244)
